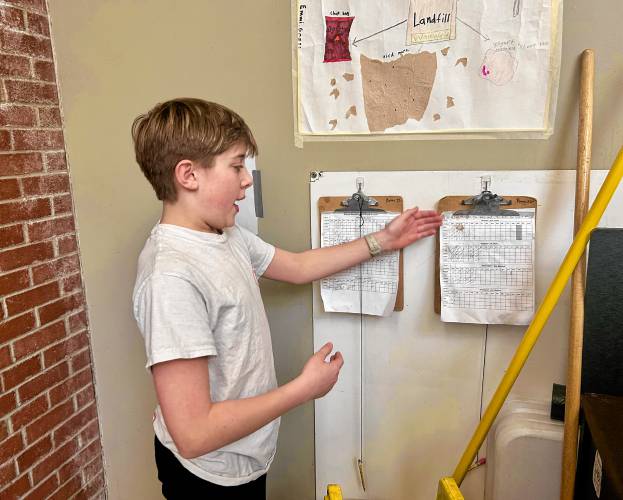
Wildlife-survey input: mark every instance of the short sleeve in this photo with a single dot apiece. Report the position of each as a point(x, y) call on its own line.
point(260, 252)
point(172, 316)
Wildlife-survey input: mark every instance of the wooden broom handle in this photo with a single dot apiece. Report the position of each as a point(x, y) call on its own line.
point(578, 279)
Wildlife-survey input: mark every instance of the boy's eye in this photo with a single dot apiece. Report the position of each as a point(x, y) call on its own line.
point(238, 167)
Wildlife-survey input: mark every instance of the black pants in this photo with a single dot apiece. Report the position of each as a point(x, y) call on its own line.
point(178, 483)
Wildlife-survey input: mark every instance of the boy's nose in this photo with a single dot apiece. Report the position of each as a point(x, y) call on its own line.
point(247, 180)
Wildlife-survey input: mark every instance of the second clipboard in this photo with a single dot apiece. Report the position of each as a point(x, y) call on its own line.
point(454, 203)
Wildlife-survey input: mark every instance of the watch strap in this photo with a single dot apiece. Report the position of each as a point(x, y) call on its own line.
point(373, 245)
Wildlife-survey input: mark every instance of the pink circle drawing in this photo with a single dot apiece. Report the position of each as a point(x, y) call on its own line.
point(498, 66)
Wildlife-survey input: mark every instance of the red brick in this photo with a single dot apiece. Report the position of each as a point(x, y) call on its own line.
point(93, 468)
point(45, 184)
point(11, 65)
point(36, 5)
point(8, 403)
point(75, 424)
point(39, 339)
point(56, 268)
point(5, 140)
point(24, 210)
point(67, 245)
point(69, 489)
point(16, 327)
point(50, 117)
point(80, 360)
point(78, 321)
point(17, 116)
point(38, 24)
point(17, 488)
point(44, 381)
point(29, 412)
point(48, 421)
point(24, 256)
point(62, 204)
point(32, 298)
point(13, 282)
point(18, 373)
point(54, 460)
point(9, 189)
point(73, 466)
point(90, 432)
point(60, 307)
point(31, 92)
point(45, 71)
point(4, 431)
point(63, 349)
point(7, 474)
point(94, 490)
point(56, 161)
point(71, 284)
point(34, 452)
point(11, 235)
point(38, 139)
point(10, 447)
point(24, 44)
point(5, 357)
point(47, 229)
point(70, 386)
point(44, 489)
point(20, 163)
point(85, 396)
point(12, 17)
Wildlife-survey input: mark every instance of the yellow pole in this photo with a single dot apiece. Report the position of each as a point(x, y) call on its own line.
point(545, 309)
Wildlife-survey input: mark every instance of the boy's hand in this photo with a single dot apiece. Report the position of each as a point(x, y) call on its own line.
point(319, 376)
point(408, 227)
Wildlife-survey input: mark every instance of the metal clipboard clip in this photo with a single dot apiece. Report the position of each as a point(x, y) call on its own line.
point(359, 201)
point(486, 203)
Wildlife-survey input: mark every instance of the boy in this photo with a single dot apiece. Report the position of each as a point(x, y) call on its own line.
point(198, 305)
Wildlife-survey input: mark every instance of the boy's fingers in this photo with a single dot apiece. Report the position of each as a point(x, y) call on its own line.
point(412, 211)
point(427, 227)
point(325, 350)
point(422, 214)
point(337, 357)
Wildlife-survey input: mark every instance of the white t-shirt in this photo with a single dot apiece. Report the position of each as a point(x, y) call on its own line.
point(196, 294)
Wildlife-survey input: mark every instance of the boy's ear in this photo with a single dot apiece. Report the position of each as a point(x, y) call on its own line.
point(184, 174)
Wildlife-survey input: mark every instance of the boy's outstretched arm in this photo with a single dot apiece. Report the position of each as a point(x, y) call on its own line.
point(304, 267)
point(198, 425)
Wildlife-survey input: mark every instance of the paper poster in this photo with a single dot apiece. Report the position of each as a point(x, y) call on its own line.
point(426, 66)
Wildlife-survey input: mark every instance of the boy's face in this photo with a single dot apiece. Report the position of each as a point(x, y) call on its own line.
point(222, 185)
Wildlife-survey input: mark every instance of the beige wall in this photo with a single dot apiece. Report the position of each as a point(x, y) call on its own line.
point(117, 58)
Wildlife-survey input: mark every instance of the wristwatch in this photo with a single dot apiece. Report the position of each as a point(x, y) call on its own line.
point(373, 245)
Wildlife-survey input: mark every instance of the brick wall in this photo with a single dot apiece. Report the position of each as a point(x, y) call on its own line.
point(49, 434)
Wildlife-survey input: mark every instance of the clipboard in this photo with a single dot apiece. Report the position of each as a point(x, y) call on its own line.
point(386, 203)
point(454, 203)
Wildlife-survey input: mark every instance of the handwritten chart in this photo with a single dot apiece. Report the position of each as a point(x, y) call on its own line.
point(487, 268)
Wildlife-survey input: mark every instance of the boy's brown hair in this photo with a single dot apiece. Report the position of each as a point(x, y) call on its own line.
point(185, 129)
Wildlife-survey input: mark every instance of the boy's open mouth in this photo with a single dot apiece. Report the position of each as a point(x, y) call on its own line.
point(236, 203)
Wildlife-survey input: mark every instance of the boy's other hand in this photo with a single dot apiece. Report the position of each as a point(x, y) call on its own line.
point(319, 375)
point(408, 227)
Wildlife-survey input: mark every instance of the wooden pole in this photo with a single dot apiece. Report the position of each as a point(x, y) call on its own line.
point(578, 279)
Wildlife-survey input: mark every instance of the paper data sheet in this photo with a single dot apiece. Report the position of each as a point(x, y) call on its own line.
point(487, 268)
point(369, 288)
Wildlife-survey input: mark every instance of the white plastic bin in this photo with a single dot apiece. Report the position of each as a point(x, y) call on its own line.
point(524, 454)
